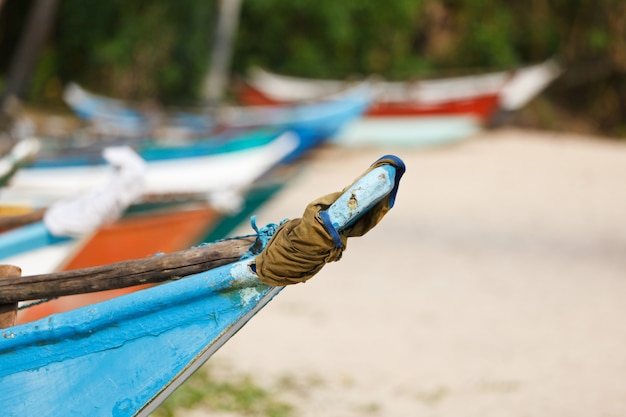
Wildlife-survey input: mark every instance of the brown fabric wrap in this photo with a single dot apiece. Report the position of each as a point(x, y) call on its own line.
point(301, 247)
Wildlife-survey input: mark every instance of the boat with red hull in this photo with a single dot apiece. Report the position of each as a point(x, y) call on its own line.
point(412, 113)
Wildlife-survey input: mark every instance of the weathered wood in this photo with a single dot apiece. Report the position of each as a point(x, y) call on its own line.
point(10, 222)
point(221, 56)
point(124, 274)
point(8, 311)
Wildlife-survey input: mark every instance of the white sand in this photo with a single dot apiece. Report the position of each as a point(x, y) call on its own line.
point(495, 287)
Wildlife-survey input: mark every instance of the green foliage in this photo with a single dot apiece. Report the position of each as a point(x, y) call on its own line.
point(45, 79)
point(160, 49)
point(241, 396)
point(139, 49)
point(327, 38)
point(488, 36)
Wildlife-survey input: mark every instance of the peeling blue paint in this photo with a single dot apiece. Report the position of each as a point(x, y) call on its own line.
point(120, 353)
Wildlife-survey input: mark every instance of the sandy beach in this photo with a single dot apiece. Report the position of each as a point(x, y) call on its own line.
point(495, 287)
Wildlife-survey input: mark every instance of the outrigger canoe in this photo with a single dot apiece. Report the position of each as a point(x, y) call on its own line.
point(314, 121)
point(114, 117)
point(41, 239)
point(165, 225)
point(135, 236)
point(131, 237)
point(123, 357)
point(195, 169)
point(475, 94)
point(416, 113)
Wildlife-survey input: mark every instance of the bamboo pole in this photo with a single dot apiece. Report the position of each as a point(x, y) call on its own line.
point(124, 274)
point(8, 311)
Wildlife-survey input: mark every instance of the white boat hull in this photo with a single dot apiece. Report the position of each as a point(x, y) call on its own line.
point(209, 174)
point(407, 131)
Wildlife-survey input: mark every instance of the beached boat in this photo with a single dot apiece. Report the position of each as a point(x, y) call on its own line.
point(479, 97)
point(113, 117)
point(314, 121)
point(513, 89)
point(423, 112)
point(142, 233)
point(160, 224)
point(198, 168)
point(317, 119)
point(131, 237)
point(39, 240)
point(123, 357)
point(324, 112)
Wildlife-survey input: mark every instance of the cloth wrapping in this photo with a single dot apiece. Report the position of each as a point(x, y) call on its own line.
point(301, 247)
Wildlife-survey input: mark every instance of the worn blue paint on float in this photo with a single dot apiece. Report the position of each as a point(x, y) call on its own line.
point(124, 356)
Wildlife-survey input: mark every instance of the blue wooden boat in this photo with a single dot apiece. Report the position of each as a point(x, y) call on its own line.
point(153, 150)
point(118, 118)
point(123, 357)
point(313, 121)
point(207, 168)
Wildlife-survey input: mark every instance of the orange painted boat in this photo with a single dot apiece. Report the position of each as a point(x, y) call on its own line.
point(132, 237)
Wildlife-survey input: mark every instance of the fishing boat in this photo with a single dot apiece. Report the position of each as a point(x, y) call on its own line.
point(154, 223)
point(131, 237)
point(41, 239)
point(467, 95)
point(158, 224)
point(113, 117)
point(203, 168)
point(416, 113)
point(142, 232)
point(124, 356)
point(327, 113)
point(314, 121)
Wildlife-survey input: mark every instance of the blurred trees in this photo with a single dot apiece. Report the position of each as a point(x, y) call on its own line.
point(135, 49)
point(160, 49)
point(140, 49)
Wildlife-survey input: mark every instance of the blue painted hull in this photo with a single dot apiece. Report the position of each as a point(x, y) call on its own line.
point(122, 357)
point(114, 358)
point(151, 151)
point(314, 122)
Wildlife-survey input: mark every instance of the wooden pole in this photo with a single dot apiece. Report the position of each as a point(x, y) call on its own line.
point(124, 274)
point(8, 311)
point(226, 28)
point(10, 222)
point(38, 25)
